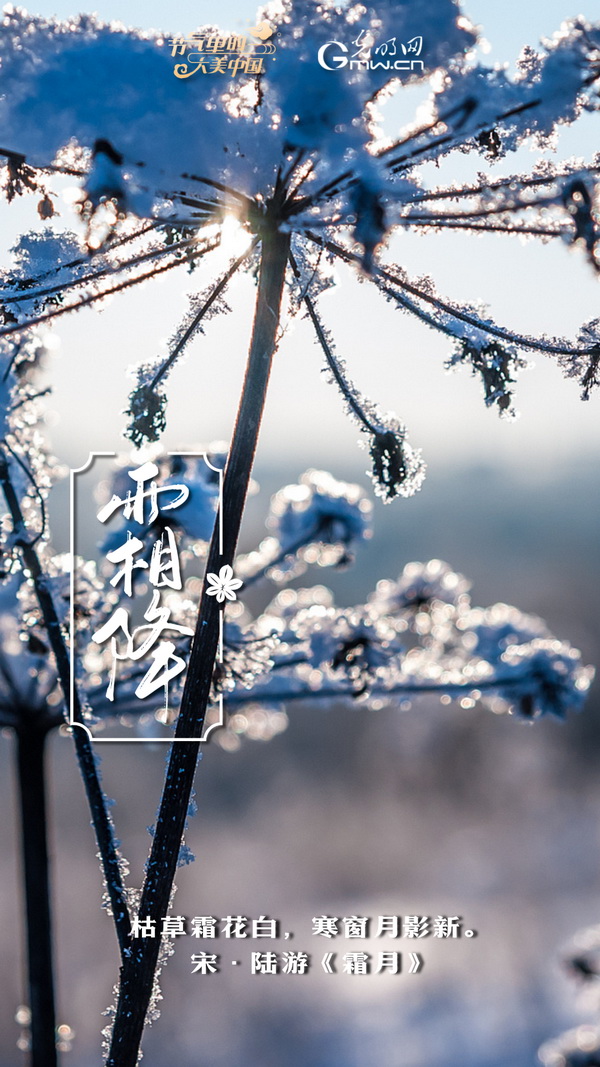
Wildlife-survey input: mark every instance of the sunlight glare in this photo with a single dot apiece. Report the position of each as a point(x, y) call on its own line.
point(234, 238)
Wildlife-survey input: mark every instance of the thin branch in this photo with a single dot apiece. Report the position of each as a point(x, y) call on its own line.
point(342, 383)
point(451, 140)
point(484, 213)
point(410, 688)
point(283, 180)
point(214, 295)
point(139, 970)
point(451, 193)
point(420, 313)
point(506, 335)
point(333, 186)
point(46, 168)
point(448, 222)
point(208, 207)
point(21, 327)
point(472, 227)
point(458, 216)
point(112, 269)
point(28, 474)
point(307, 170)
point(96, 799)
point(496, 331)
point(93, 253)
point(386, 150)
point(31, 768)
point(9, 153)
point(282, 555)
point(29, 397)
point(405, 161)
point(247, 201)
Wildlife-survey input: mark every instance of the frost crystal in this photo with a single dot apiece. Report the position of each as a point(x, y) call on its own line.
point(147, 406)
point(497, 367)
point(320, 516)
point(544, 677)
point(160, 177)
point(162, 174)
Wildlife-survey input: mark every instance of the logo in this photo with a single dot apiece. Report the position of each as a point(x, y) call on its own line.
point(390, 55)
point(223, 54)
point(263, 31)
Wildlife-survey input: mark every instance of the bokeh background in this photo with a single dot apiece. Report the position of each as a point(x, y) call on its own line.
point(434, 810)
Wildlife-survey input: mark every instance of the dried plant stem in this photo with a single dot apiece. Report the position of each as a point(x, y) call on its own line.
point(536, 344)
point(86, 301)
point(87, 763)
point(138, 972)
point(31, 743)
point(206, 306)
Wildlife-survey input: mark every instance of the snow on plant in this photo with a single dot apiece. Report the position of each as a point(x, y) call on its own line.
point(419, 634)
point(165, 165)
point(307, 158)
point(579, 1047)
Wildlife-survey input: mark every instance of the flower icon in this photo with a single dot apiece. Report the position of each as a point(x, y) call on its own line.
point(223, 585)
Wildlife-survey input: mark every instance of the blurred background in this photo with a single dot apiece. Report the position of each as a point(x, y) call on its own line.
point(434, 810)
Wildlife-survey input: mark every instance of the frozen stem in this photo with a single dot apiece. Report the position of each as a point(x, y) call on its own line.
point(139, 969)
point(85, 755)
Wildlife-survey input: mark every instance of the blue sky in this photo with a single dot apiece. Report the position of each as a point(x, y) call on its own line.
point(507, 25)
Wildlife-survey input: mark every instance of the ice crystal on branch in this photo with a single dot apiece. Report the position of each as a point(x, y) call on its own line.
point(554, 681)
point(147, 407)
point(397, 468)
point(323, 511)
point(164, 165)
point(416, 635)
point(18, 177)
point(368, 206)
point(578, 201)
point(586, 368)
point(304, 155)
point(497, 366)
point(420, 585)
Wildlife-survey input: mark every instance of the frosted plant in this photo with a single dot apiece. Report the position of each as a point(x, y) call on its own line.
point(416, 635)
point(307, 162)
point(167, 158)
point(579, 1047)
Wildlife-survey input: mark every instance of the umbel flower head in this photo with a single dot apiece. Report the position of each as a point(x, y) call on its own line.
point(168, 155)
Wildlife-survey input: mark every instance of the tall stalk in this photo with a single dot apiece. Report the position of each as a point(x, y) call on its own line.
point(139, 969)
point(31, 743)
point(97, 801)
